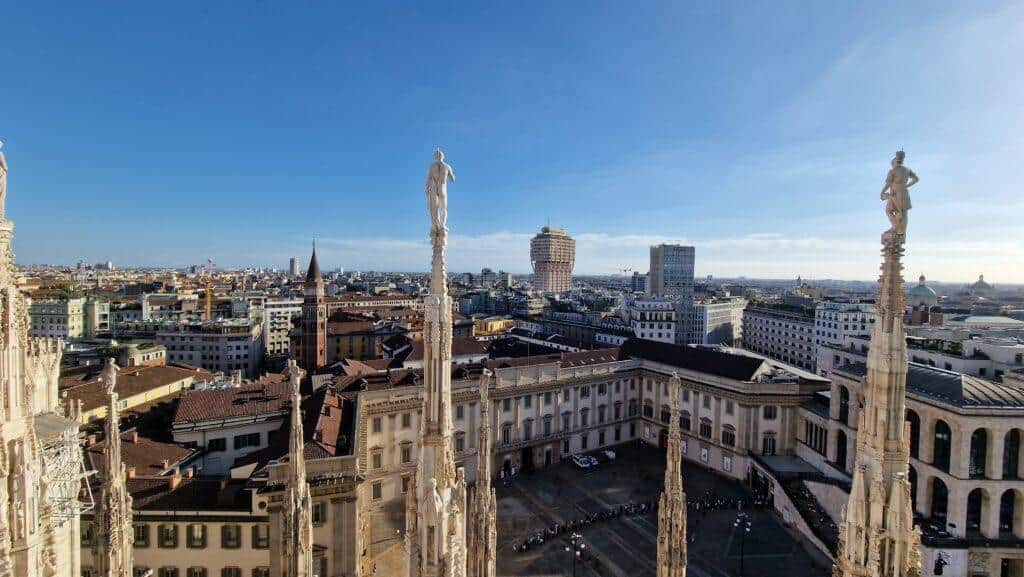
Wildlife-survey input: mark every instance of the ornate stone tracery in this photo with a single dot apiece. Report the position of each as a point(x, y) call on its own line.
point(672, 506)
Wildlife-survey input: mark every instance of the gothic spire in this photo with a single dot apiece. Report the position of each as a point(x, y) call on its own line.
point(313, 271)
point(672, 507)
point(297, 559)
point(114, 515)
point(877, 536)
point(483, 528)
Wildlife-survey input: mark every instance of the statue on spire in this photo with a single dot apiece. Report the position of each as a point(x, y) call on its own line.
point(897, 196)
point(3, 181)
point(438, 176)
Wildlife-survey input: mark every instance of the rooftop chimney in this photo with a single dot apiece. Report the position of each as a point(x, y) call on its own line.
point(175, 480)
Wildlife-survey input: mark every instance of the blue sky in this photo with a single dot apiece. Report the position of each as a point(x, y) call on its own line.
point(166, 133)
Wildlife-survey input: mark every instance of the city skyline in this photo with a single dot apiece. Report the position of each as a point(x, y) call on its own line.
point(741, 132)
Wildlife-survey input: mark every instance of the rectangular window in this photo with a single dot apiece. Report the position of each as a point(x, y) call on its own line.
point(728, 407)
point(460, 443)
point(600, 437)
point(230, 536)
point(584, 392)
point(378, 490)
point(260, 536)
point(196, 536)
point(319, 513)
point(460, 411)
point(506, 404)
point(378, 424)
point(583, 441)
point(566, 421)
point(527, 401)
point(247, 440)
point(407, 453)
point(216, 445)
point(261, 572)
point(141, 531)
point(706, 401)
point(405, 484)
point(231, 572)
point(770, 412)
point(376, 460)
point(167, 572)
point(167, 536)
point(565, 447)
point(547, 426)
point(602, 389)
point(547, 399)
point(407, 419)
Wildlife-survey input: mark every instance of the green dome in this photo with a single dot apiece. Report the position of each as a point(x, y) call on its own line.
point(922, 290)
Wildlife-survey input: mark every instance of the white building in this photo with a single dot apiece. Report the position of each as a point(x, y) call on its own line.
point(652, 318)
point(58, 318)
point(718, 322)
point(277, 322)
point(782, 333)
point(231, 422)
point(835, 320)
point(218, 346)
point(671, 277)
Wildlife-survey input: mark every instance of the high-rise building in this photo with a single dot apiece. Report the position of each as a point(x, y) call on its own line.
point(638, 283)
point(671, 277)
point(293, 267)
point(487, 278)
point(553, 254)
point(671, 274)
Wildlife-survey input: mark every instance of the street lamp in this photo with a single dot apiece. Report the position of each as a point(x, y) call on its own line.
point(743, 524)
point(576, 547)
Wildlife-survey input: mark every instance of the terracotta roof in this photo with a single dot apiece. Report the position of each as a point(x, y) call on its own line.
point(83, 383)
point(191, 494)
point(246, 401)
point(145, 454)
point(349, 327)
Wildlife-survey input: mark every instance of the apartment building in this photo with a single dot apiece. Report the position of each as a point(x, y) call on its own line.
point(781, 332)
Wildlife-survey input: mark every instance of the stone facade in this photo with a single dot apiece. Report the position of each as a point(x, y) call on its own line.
point(41, 466)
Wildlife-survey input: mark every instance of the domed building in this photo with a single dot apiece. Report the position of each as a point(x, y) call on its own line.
point(980, 288)
point(922, 295)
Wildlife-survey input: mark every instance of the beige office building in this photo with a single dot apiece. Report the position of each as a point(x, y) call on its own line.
point(553, 254)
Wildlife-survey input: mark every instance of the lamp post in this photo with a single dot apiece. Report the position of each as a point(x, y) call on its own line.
point(743, 524)
point(576, 547)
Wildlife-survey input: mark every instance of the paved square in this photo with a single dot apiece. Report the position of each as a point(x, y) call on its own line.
point(625, 546)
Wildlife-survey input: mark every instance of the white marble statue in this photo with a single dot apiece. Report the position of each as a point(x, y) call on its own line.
point(438, 176)
point(3, 181)
point(896, 194)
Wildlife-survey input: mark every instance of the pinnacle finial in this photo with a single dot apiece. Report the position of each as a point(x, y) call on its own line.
point(109, 375)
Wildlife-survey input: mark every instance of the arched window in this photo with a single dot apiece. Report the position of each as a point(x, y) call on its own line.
point(684, 420)
point(632, 407)
point(1007, 512)
point(940, 500)
point(1011, 454)
point(648, 410)
point(729, 436)
point(975, 502)
point(942, 446)
point(844, 403)
point(915, 432)
point(705, 428)
point(666, 414)
point(841, 449)
point(979, 451)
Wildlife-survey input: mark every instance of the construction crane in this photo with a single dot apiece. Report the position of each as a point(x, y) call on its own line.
point(208, 310)
point(624, 271)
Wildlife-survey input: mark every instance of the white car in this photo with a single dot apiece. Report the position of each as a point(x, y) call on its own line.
point(583, 461)
point(609, 454)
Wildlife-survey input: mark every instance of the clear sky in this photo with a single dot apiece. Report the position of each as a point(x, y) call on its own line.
point(164, 133)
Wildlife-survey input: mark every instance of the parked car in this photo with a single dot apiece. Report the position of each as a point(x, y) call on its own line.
point(584, 461)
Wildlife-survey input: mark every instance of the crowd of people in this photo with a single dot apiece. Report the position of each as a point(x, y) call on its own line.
point(576, 525)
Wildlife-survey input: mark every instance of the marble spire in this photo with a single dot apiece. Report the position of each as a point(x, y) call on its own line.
point(435, 520)
point(483, 533)
point(877, 537)
point(672, 506)
point(297, 534)
point(114, 535)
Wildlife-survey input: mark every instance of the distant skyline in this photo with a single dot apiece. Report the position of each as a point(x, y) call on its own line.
point(150, 134)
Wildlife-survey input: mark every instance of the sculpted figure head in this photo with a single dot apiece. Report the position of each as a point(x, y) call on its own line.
point(897, 159)
point(438, 155)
